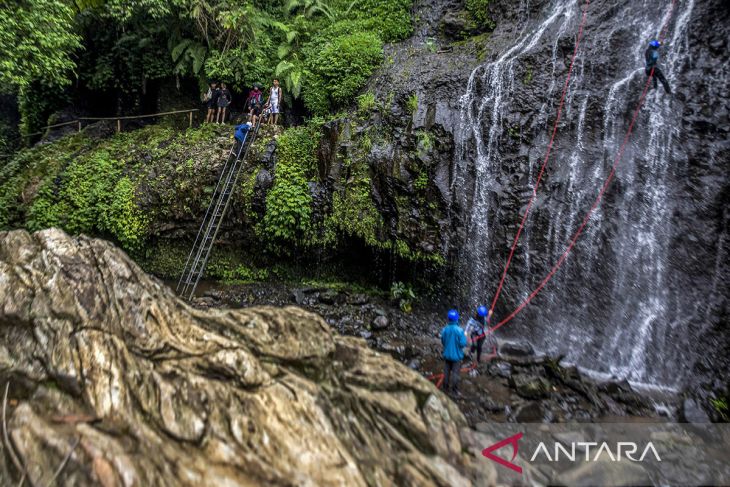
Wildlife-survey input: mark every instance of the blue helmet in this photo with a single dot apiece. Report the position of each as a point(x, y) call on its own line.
point(453, 315)
point(655, 43)
point(482, 311)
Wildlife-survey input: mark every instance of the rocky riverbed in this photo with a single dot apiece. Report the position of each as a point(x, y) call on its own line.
point(517, 385)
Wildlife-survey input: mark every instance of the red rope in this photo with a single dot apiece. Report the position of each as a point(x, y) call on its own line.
point(577, 234)
point(598, 199)
point(547, 157)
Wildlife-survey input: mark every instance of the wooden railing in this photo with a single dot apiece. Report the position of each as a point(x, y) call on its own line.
point(79, 121)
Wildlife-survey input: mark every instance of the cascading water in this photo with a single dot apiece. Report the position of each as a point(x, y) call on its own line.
point(610, 308)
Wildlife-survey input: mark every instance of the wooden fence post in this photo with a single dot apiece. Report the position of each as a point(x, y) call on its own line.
point(119, 125)
point(190, 117)
point(79, 126)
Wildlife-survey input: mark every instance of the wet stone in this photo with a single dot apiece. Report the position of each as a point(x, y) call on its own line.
point(530, 386)
point(380, 323)
point(517, 349)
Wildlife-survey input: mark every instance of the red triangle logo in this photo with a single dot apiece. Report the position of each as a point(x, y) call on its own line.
point(512, 440)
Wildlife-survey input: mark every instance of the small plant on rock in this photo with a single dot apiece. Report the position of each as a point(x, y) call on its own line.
point(365, 103)
point(412, 103)
point(404, 294)
point(721, 406)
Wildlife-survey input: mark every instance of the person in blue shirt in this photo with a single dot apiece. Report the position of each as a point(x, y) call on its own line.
point(651, 56)
point(454, 340)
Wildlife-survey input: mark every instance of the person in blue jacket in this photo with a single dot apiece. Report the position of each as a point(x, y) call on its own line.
point(651, 56)
point(454, 340)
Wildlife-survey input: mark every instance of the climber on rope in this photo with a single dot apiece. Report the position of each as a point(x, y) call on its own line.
point(651, 55)
point(477, 330)
point(454, 340)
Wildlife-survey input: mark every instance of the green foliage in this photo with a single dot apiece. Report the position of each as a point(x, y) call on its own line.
point(721, 406)
point(421, 182)
point(425, 140)
point(340, 69)
point(89, 185)
point(366, 103)
point(311, 8)
point(288, 204)
point(35, 103)
point(353, 210)
point(37, 40)
point(123, 218)
point(94, 197)
point(230, 270)
point(391, 19)
point(430, 44)
point(479, 9)
point(366, 142)
point(412, 103)
point(241, 67)
point(404, 294)
point(528, 76)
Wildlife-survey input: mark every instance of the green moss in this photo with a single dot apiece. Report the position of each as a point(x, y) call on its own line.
point(84, 184)
point(229, 268)
point(366, 143)
point(528, 76)
point(289, 203)
point(479, 9)
point(248, 182)
point(90, 196)
point(365, 103)
point(404, 251)
point(721, 406)
point(412, 103)
point(165, 260)
point(425, 140)
point(421, 182)
point(353, 210)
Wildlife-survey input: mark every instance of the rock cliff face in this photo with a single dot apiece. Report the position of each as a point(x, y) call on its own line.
point(106, 366)
point(641, 290)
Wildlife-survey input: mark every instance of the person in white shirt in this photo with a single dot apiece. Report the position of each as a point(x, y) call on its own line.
point(274, 103)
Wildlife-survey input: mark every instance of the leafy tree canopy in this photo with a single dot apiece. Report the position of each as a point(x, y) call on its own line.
point(37, 39)
point(322, 50)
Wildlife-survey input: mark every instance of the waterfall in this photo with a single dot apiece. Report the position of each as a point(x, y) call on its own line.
point(609, 309)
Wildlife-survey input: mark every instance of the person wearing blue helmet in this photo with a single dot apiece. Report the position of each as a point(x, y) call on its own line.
point(651, 56)
point(454, 341)
point(477, 330)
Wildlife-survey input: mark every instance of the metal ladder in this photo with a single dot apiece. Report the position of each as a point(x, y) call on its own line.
point(219, 202)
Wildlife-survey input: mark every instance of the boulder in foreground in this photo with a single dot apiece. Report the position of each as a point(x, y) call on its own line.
point(108, 364)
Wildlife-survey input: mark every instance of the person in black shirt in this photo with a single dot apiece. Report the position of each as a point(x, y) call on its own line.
point(224, 99)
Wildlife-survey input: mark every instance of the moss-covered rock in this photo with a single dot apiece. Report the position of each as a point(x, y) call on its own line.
point(314, 187)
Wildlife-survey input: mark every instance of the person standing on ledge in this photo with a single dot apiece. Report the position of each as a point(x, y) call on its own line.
point(651, 55)
point(274, 103)
point(453, 341)
point(224, 99)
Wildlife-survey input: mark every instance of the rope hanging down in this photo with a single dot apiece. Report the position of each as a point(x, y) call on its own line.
point(440, 377)
point(547, 156)
point(611, 174)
